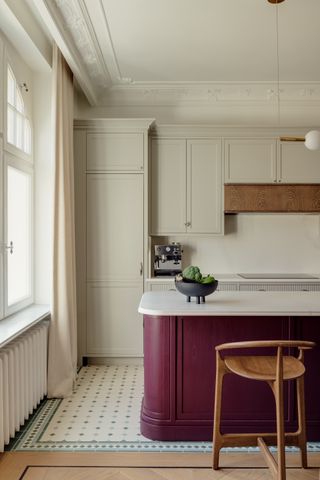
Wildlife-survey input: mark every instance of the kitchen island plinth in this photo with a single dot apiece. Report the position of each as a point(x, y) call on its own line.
point(180, 363)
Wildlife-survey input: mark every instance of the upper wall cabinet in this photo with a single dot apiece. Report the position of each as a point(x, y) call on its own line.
point(186, 186)
point(298, 164)
point(114, 152)
point(249, 160)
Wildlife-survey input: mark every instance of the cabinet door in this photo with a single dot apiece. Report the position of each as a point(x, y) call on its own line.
point(114, 256)
point(168, 186)
point(114, 151)
point(250, 160)
point(204, 187)
point(114, 326)
point(298, 164)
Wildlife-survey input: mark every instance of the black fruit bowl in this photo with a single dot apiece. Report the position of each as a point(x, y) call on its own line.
point(194, 289)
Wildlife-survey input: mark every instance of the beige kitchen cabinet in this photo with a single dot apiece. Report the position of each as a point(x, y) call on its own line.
point(250, 160)
point(297, 164)
point(186, 186)
point(114, 264)
point(111, 200)
point(157, 284)
point(168, 186)
point(114, 151)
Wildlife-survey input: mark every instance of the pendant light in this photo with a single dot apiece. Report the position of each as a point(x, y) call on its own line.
point(312, 138)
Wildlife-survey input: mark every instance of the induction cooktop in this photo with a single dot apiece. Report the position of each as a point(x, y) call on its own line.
point(261, 276)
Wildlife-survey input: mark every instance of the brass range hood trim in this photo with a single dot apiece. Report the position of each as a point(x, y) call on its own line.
point(270, 198)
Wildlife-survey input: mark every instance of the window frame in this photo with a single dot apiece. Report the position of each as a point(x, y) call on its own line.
point(10, 147)
point(25, 167)
point(19, 159)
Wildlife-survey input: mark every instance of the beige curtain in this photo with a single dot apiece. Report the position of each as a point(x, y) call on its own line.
point(62, 356)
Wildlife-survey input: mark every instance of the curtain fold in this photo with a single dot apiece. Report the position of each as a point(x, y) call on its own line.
point(62, 355)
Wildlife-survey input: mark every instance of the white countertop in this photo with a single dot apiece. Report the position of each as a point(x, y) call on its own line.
point(233, 277)
point(232, 303)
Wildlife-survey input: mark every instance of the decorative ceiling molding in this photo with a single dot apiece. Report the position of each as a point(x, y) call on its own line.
point(54, 21)
point(97, 16)
point(77, 21)
point(202, 93)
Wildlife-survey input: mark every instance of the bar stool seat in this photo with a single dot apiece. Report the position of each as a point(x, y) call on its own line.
point(274, 370)
point(264, 367)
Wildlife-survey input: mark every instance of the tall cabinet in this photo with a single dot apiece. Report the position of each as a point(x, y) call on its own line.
point(111, 224)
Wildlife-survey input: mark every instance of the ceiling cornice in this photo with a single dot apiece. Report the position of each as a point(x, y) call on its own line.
point(95, 12)
point(51, 15)
point(209, 93)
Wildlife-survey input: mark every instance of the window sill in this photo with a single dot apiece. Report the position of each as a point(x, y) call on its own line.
point(13, 326)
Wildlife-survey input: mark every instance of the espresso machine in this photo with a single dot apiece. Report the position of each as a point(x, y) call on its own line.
point(167, 259)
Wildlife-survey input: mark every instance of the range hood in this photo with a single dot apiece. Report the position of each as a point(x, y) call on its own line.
point(268, 198)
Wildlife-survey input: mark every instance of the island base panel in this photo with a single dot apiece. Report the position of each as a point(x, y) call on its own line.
point(180, 373)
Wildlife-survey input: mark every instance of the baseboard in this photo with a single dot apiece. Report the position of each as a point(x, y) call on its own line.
point(115, 360)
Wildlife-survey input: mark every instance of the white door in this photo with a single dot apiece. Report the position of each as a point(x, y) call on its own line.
point(114, 263)
point(168, 186)
point(204, 192)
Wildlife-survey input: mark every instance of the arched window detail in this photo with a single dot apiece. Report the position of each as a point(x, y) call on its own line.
point(18, 125)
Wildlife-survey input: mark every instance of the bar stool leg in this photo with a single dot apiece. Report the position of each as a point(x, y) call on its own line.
point(278, 392)
point(302, 422)
point(220, 371)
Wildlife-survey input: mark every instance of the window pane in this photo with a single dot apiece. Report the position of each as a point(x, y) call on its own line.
point(11, 87)
point(19, 233)
point(27, 136)
point(10, 125)
point(19, 131)
point(20, 104)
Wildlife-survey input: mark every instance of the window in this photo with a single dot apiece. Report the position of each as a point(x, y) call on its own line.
point(16, 175)
point(18, 125)
point(19, 235)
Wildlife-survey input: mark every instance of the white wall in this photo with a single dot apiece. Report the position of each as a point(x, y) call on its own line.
point(258, 244)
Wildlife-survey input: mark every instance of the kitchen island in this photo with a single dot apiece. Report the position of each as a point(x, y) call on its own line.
point(179, 361)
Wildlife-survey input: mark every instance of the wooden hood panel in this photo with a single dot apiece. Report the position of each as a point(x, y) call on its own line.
point(284, 198)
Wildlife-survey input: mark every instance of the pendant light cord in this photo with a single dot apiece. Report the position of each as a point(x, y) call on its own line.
point(278, 64)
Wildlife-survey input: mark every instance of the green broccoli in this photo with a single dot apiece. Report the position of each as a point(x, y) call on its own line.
point(207, 279)
point(192, 273)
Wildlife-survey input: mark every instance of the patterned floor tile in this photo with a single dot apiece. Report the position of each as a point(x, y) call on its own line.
point(103, 414)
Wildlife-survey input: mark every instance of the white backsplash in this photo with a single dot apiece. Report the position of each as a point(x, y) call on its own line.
point(258, 244)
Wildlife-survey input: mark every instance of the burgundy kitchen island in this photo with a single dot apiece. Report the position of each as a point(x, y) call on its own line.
point(179, 361)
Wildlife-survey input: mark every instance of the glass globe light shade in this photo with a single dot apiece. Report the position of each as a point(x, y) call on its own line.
point(312, 140)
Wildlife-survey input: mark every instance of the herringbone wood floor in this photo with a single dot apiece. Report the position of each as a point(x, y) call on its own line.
point(145, 466)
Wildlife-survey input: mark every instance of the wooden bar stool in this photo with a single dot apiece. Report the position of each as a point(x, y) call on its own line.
point(274, 370)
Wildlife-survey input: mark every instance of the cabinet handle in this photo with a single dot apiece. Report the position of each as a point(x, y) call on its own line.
point(141, 268)
point(188, 224)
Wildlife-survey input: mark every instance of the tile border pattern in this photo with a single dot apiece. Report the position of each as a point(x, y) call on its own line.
point(30, 438)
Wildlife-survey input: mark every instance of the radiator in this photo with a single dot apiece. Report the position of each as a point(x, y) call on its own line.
point(23, 379)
